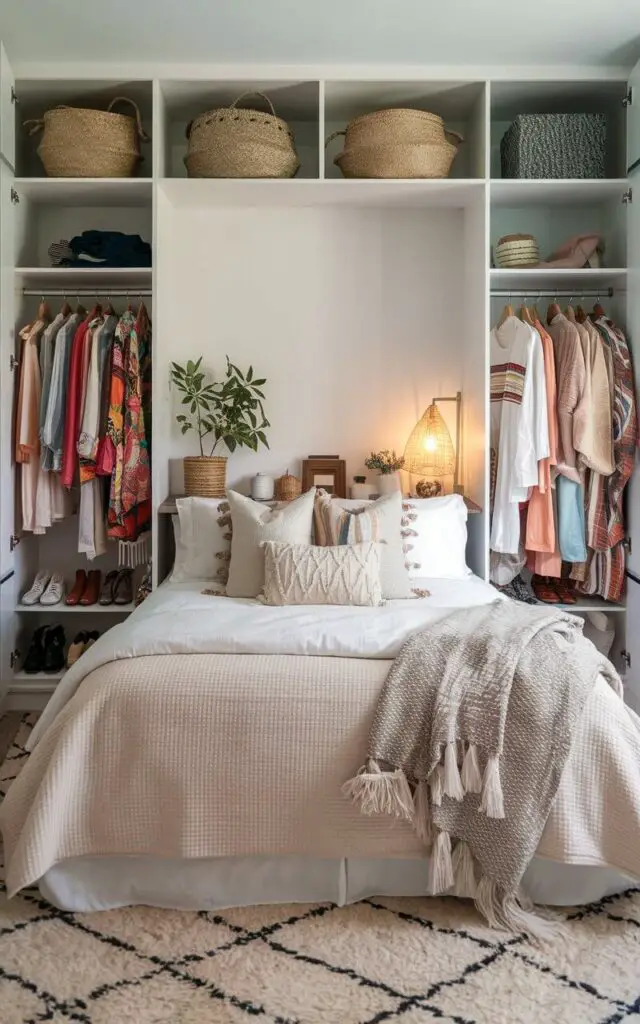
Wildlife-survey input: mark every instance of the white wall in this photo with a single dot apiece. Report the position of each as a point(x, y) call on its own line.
point(354, 317)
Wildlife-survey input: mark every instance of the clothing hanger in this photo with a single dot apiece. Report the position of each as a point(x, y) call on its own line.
point(598, 311)
point(570, 312)
point(109, 310)
point(506, 313)
point(525, 312)
point(80, 310)
point(581, 316)
point(44, 313)
point(65, 309)
point(553, 310)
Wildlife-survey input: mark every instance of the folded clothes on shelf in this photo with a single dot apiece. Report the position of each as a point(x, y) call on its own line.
point(93, 248)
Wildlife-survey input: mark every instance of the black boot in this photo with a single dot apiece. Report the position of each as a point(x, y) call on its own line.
point(34, 661)
point(54, 649)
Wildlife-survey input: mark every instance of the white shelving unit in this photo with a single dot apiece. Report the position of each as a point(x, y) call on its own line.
point(372, 294)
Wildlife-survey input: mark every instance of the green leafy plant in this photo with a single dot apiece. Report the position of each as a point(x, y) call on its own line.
point(385, 461)
point(230, 409)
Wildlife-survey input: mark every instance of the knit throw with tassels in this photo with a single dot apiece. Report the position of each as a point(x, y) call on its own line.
point(470, 737)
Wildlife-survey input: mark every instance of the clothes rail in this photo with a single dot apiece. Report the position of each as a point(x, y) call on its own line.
point(532, 293)
point(124, 293)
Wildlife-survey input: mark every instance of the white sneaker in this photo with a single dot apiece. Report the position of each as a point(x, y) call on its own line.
point(37, 588)
point(55, 590)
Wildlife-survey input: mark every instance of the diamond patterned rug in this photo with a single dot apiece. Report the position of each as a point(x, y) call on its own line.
point(408, 960)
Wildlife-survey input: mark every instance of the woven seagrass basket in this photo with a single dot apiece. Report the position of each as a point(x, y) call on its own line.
point(83, 143)
point(205, 476)
point(397, 143)
point(237, 143)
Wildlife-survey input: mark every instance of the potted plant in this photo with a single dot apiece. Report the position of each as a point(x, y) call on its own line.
point(231, 411)
point(386, 463)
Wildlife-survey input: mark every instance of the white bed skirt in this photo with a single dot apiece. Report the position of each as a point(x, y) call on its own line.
point(102, 883)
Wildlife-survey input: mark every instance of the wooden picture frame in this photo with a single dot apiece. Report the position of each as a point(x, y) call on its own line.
point(327, 472)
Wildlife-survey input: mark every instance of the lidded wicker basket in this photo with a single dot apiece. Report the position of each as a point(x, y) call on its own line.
point(205, 476)
point(397, 143)
point(516, 251)
point(232, 142)
point(84, 143)
point(288, 487)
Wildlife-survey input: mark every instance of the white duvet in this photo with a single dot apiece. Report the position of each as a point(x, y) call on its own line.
point(178, 618)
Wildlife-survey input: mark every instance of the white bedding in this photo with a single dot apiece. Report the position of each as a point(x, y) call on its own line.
point(179, 619)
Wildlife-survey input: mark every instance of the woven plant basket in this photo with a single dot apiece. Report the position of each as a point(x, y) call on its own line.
point(517, 251)
point(287, 487)
point(82, 143)
point(205, 476)
point(428, 160)
point(236, 143)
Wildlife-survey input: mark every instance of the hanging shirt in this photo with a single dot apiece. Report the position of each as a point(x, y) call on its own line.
point(599, 457)
point(541, 532)
point(75, 400)
point(47, 349)
point(27, 428)
point(570, 381)
point(53, 427)
point(605, 510)
point(519, 426)
point(100, 348)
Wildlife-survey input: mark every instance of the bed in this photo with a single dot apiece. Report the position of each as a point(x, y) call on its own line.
point(194, 757)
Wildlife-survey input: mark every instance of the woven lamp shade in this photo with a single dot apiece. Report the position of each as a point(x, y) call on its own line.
point(429, 450)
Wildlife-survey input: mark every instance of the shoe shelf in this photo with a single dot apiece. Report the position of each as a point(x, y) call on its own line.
point(38, 678)
point(78, 609)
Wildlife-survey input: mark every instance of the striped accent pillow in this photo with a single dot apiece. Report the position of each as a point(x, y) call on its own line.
point(379, 521)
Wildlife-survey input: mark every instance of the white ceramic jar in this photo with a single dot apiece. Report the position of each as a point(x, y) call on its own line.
point(262, 487)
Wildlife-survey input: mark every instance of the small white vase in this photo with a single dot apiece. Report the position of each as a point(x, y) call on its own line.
point(387, 483)
point(262, 487)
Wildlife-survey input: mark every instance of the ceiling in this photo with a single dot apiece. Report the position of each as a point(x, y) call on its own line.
point(418, 32)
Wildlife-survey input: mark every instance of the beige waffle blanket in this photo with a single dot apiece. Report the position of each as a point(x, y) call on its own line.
point(208, 755)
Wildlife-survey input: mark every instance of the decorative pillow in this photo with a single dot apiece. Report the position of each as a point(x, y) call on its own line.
point(379, 520)
point(435, 537)
point(253, 524)
point(202, 532)
point(308, 574)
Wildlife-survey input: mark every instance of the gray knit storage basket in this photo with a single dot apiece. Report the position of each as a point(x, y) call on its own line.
point(555, 146)
point(236, 143)
point(85, 143)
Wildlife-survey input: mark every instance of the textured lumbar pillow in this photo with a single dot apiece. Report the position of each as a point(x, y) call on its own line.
point(380, 521)
point(308, 574)
point(253, 524)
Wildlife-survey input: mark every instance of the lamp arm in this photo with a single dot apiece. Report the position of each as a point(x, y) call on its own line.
point(457, 398)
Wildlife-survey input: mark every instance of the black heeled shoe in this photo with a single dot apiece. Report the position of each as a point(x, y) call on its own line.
point(34, 661)
point(54, 641)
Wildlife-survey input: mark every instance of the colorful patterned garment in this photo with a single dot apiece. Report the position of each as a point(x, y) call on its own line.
point(605, 516)
point(130, 497)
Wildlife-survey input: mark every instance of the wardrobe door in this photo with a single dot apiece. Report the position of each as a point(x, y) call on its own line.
point(7, 373)
point(7, 111)
point(633, 119)
point(633, 324)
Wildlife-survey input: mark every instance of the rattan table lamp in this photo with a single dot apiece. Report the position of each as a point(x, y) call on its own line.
point(429, 452)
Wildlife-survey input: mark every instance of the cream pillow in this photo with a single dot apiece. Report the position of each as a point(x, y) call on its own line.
point(435, 536)
point(253, 524)
point(202, 533)
point(308, 574)
point(380, 521)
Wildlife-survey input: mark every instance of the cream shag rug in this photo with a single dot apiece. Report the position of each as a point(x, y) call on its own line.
point(407, 960)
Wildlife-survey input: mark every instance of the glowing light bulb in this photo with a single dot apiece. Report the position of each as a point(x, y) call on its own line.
point(430, 443)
